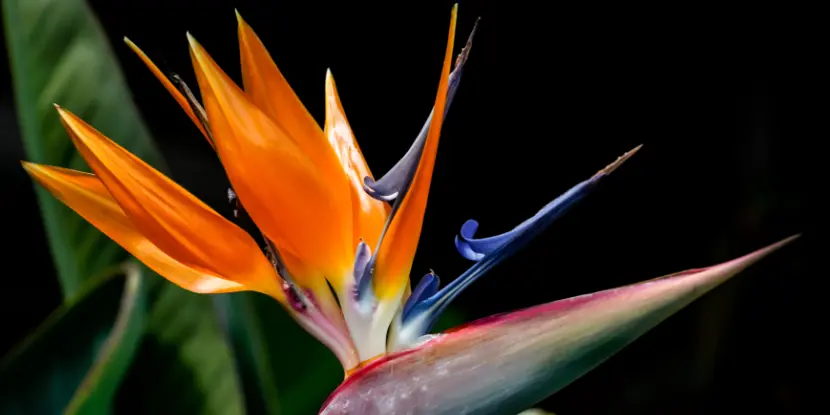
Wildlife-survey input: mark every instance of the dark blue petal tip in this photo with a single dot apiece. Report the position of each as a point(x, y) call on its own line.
point(379, 191)
point(475, 249)
point(488, 252)
point(395, 182)
point(361, 262)
point(426, 288)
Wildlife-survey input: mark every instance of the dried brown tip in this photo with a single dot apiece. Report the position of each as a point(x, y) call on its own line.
point(194, 104)
point(465, 52)
point(619, 161)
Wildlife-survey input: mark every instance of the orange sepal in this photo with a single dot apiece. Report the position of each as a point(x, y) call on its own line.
point(280, 185)
point(368, 214)
point(86, 195)
point(174, 220)
point(177, 95)
point(268, 89)
point(397, 249)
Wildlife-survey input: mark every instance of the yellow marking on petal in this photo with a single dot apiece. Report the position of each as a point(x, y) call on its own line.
point(314, 281)
point(397, 250)
point(86, 195)
point(363, 364)
point(294, 204)
point(168, 85)
point(368, 214)
point(174, 220)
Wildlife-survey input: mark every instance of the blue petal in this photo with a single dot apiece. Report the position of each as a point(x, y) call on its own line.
point(495, 249)
point(426, 288)
point(389, 186)
point(438, 302)
point(476, 249)
point(396, 180)
point(361, 260)
point(463, 246)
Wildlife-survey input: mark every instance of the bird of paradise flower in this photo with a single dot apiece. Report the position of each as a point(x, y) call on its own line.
point(338, 255)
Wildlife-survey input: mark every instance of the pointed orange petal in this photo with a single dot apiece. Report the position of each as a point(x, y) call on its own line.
point(177, 95)
point(281, 186)
point(369, 214)
point(397, 249)
point(269, 90)
point(171, 218)
point(87, 196)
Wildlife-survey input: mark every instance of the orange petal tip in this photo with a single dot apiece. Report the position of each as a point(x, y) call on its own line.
point(191, 40)
point(196, 48)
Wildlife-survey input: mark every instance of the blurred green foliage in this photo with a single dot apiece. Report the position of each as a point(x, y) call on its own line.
point(60, 55)
point(76, 358)
point(184, 364)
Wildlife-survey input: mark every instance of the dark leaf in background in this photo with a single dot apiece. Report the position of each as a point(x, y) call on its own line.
point(74, 362)
point(283, 369)
point(183, 365)
point(59, 54)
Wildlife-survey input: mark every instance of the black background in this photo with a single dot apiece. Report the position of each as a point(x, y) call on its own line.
point(730, 104)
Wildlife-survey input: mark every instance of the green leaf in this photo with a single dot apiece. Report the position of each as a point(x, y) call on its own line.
point(60, 54)
point(282, 368)
point(74, 362)
point(244, 330)
point(184, 365)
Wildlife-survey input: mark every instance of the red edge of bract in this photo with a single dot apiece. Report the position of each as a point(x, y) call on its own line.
point(561, 305)
point(370, 366)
